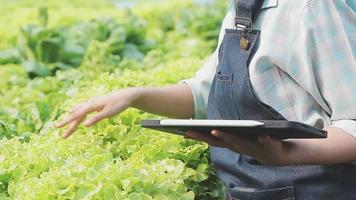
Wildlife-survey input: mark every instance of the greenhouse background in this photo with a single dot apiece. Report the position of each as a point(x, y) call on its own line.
point(56, 54)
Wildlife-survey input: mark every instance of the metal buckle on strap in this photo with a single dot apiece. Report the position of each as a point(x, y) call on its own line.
point(245, 30)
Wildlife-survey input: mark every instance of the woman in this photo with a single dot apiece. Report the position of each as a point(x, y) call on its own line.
point(298, 63)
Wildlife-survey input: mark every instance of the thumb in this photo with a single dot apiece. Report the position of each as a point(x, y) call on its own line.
point(269, 143)
point(264, 140)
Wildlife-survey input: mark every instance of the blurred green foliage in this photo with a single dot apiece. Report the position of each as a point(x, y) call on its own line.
point(56, 54)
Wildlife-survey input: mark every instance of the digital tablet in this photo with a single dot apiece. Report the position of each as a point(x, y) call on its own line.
point(276, 129)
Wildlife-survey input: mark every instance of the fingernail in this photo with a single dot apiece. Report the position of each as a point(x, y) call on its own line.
point(215, 133)
point(86, 123)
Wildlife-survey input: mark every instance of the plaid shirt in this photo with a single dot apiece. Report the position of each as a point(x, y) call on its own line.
point(305, 65)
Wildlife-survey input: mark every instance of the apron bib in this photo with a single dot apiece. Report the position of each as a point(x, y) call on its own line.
point(231, 97)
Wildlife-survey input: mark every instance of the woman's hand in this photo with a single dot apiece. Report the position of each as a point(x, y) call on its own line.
point(174, 101)
point(265, 149)
point(105, 106)
point(339, 147)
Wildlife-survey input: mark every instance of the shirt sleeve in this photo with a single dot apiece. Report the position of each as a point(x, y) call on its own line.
point(330, 32)
point(347, 125)
point(200, 84)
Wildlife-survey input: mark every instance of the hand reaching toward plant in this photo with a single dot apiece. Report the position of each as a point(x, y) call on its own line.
point(105, 106)
point(173, 101)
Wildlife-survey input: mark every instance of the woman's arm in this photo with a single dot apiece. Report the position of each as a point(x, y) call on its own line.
point(173, 101)
point(339, 147)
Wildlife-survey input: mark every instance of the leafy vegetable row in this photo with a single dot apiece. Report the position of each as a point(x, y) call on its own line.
point(55, 68)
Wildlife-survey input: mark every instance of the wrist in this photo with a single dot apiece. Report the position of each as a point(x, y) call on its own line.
point(135, 96)
point(298, 152)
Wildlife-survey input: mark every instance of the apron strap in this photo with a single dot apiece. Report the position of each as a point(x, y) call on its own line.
point(246, 14)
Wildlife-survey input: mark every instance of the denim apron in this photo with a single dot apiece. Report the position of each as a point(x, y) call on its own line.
point(231, 97)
